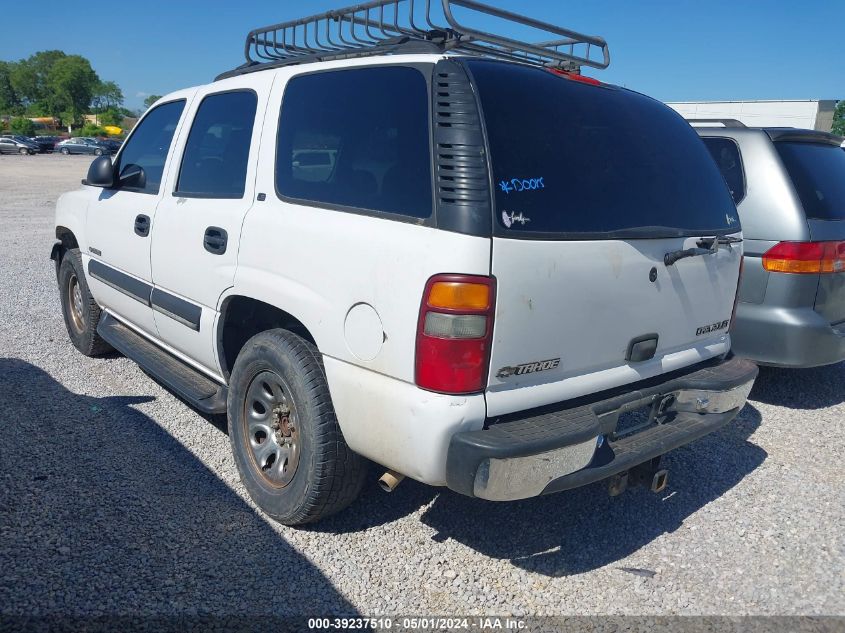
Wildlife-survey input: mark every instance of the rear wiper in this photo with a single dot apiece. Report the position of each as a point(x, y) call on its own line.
point(706, 246)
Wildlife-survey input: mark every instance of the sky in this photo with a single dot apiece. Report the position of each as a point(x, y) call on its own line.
point(672, 50)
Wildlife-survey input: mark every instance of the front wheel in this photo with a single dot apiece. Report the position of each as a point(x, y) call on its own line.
point(98, 152)
point(24, 151)
point(81, 313)
point(65, 151)
point(287, 444)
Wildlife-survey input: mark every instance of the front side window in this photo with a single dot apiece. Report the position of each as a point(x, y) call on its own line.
point(148, 146)
point(357, 138)
point(215, 161)
point(726, 154)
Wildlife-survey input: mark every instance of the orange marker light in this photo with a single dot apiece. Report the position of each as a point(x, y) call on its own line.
point(454, 295)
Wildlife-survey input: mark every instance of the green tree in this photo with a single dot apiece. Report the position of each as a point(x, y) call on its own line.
point(71, 83)
point(839, 119)
point(9, 102)
point(29, 79)
point(23, 126)
point(90, 129)
point(112, 116)
point(107, 95)
point(151, 100)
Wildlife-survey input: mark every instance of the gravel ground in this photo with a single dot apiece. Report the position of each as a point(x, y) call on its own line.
point(117, 498)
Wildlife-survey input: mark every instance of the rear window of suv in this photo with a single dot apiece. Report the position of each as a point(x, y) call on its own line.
point(818, 173)
point(572, 160)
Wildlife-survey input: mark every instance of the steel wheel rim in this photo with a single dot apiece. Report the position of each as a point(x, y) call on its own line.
point(75, 305)
point(271, 429)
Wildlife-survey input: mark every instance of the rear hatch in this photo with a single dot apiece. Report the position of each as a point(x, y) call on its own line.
point(816, 165)
point(594, 186)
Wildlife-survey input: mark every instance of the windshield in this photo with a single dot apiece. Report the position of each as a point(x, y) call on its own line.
point(572, 160)
point(818, 173)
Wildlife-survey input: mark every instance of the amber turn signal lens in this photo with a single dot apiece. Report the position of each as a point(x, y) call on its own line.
point(805, 258)
point(453, 295)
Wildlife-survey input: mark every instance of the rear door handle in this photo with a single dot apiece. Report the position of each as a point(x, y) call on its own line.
point(215, 240)
point(142, 225)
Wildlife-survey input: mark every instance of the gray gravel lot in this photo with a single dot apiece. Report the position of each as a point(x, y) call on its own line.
point(117, 498)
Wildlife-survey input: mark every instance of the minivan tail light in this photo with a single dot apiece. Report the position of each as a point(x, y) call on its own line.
point(454, 333)
point(810, 258)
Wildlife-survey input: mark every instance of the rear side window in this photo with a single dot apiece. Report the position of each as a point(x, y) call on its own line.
point(216, 153)
point(357, 138)
point(818, 173)
point(726, 154)
point(572, 160)
point(148, 146)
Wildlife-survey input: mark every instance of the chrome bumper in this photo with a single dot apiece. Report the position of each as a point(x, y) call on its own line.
point(567, 448)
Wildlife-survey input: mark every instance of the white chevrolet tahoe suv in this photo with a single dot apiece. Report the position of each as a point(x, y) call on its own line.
point(435, 249)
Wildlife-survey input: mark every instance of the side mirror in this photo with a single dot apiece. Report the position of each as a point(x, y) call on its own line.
point(132, 176)
point(101, 172)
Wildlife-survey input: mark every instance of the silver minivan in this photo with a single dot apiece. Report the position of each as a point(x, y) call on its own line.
point(789, 188)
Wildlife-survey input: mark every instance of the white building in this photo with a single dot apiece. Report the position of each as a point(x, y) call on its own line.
point(812, 114)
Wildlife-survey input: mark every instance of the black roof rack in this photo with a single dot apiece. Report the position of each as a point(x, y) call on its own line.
point(406, 26)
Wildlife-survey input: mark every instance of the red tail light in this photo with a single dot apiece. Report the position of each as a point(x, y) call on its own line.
point(454, 333)
point(809, 258)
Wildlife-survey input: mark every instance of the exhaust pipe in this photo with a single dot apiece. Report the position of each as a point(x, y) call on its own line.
point(659, 481)
point(389, 480)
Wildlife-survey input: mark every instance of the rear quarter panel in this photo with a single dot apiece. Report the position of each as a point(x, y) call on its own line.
point(318, 264)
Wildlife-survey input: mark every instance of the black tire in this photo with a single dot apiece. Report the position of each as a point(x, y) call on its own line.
point(65, 151)
point(98, 152)
point(23, 151)
point(326, 476)
point(81, 313)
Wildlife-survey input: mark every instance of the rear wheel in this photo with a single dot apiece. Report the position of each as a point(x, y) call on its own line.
point(286, 441)
point(98, 152)
point(81, 313)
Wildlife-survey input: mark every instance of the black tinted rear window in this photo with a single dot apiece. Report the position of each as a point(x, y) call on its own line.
point(726, 154)
point(575, 159)
point(818, 173)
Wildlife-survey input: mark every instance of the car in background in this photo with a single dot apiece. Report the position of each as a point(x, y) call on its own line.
point(16, 144)
point(46, 144)
point(80, 145)
point(789, 188)
point(112, 144)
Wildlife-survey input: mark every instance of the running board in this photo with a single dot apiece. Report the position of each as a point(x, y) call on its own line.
point(199, 390)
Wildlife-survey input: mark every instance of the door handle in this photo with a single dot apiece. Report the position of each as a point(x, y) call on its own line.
point(215, 240)
point(142, 225)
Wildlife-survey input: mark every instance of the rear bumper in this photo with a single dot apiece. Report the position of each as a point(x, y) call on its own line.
point(560, 448)
point(786, 337)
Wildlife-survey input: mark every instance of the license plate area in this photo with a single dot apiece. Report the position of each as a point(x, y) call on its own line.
point(637, 417)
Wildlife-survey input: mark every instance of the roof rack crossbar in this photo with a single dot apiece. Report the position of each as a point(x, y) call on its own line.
point(370, 27)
